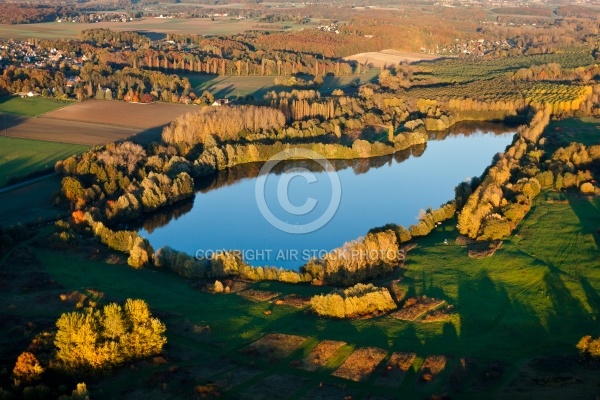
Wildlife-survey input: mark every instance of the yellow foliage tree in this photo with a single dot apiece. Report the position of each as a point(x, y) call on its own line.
point(100, 339)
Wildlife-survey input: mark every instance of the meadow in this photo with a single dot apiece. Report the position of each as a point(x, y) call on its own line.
point(257, 86)
point(30, 106)
point(32, 203)
point(584, 130)
point(21, 157)
point(514, 313)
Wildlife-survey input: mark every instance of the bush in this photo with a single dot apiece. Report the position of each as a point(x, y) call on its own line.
point(589, 347)
point(587, 188)
point(27, 368)
point(218, 287)
point(494, 228)
point(355, 301)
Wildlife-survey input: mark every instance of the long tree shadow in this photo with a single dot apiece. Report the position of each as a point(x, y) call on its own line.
point(593, 298)
point(588, 212)
point(494, 324)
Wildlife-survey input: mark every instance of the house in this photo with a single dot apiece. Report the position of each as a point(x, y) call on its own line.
point(28, 94)
point(220, 102)
point(71, 81)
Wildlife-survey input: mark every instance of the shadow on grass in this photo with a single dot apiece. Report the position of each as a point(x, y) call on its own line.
point(588, 212)
point(593, 298)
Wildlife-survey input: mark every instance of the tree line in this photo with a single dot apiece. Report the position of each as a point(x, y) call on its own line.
point(495, 208)
point(210, 55)
point(374, 255)
point(491, 209)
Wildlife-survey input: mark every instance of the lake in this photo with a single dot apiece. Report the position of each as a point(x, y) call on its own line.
point(302, 209)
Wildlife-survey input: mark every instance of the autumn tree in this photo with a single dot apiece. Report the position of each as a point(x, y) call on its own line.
point(27, 369)
point(589, 347)
point(373, 255)
point(98, 339)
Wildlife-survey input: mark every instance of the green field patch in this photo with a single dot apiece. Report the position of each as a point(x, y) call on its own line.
point(454, 70)
point(258, 86)
point(31, 203)
point(22, 157)
point(30, 106)
point(584, 130)
point(236, 376)
point(488, 376)
point(275, 387)
point(211, 368)
point(461, 375)
point(360, 364)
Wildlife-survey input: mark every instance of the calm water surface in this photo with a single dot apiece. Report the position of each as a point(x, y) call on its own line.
point(224, 213)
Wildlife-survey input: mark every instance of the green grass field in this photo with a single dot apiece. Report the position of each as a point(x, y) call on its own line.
point(21, 157)
point(257, 86)
point(584, 130)
point(31, 203)
point(535, 297)
point(29, 106)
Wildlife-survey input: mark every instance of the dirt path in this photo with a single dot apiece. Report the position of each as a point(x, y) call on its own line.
point(25, 183)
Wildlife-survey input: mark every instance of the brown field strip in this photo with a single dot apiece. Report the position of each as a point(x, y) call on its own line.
point(319, 356)
point(258, 295)
point(275, 346)
point(153, 27)
point(416, 307)
point(360, 364)
point(120, 113)
point(432, 366)
point(293, 300)
point(66, 131)
point(395, 369)
point(389, 58)
point(95, 122)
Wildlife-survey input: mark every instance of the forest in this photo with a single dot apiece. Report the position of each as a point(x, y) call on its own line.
point(13, 13)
